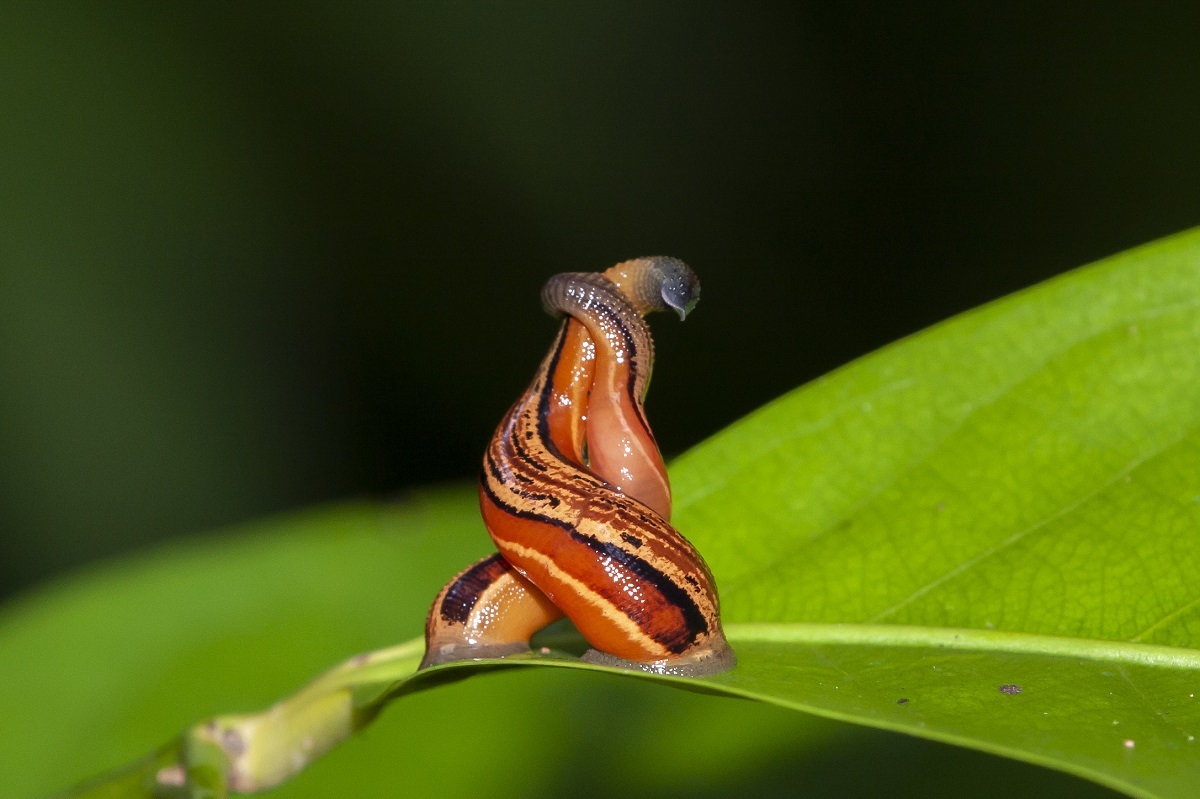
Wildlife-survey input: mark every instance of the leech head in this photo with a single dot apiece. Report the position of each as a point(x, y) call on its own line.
point(657, 283)
point(680, 286)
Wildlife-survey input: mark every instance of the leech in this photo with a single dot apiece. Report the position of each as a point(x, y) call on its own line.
point(582, 527)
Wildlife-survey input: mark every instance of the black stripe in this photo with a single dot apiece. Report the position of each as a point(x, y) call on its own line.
point(519, 451)
point(579, 484)
point(523, 514)
point(543, 403)
point(675, 641)
point(510, 436)
point(464, 593)
point(520, 456)
point(631, 350)
point(494, 470)
point(582, 484)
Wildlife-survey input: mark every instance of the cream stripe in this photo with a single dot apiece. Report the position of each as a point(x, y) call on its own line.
point(663, 535)
point(582, 589)
point(667, 567)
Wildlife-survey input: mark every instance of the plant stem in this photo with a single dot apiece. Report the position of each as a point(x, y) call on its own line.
point(249, 752)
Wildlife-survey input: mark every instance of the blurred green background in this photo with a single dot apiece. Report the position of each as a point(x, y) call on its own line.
point(262, 256)
point(257, 256)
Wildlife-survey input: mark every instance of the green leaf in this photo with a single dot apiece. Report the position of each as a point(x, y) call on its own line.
point(1030, 467)
point(985, 534)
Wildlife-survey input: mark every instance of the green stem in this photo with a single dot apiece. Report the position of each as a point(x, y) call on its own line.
point(250, 752)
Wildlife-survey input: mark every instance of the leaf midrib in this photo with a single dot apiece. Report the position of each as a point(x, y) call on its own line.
point(964, 639)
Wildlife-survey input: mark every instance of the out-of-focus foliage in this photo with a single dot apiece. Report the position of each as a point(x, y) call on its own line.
point(256, 256)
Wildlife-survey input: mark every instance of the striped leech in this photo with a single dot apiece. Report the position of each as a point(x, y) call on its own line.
point(574, 494)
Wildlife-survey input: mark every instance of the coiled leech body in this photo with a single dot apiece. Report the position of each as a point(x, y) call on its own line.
point(575, 496)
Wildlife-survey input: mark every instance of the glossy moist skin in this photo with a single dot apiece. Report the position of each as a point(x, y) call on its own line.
point(575, 496)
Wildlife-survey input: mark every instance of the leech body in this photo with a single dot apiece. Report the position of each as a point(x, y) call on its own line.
point(620, 446)
point(571, 385)
point(582, 529)
point(488, 610)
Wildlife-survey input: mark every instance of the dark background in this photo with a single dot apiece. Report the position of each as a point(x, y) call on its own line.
point(254, 257)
